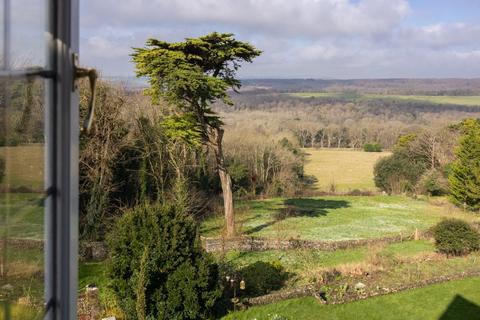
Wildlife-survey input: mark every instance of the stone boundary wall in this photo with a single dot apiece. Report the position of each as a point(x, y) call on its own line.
point(87, 250)
point(280, 295)
point(23, 243)
point(261, 244)
point(310, 291)
point(415, 285)
point(99, 250)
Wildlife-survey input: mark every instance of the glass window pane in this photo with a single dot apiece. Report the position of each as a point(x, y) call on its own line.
point(21, 199)
point(27, 32)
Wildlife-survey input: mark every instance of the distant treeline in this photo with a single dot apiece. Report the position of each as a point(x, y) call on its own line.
point(339, 121)
point(384, 86)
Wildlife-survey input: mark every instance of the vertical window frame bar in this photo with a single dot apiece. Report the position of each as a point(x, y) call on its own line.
point(6, 34)
point(61, 172)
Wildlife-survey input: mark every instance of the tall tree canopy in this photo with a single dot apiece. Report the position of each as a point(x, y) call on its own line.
point(190, 76)
point(465, 171)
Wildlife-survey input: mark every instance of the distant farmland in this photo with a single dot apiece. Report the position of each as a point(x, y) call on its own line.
point(449, 100)
point(24, 166)
point(345, 169)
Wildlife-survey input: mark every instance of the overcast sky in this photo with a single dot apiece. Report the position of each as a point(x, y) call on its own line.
point(299, 38)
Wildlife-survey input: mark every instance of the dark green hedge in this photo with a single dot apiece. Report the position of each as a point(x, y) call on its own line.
point(158, 269)
point(456, 237)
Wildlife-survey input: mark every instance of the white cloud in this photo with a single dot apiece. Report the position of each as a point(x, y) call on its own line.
point(286, 17)
point(440, 35)
point(299, 38)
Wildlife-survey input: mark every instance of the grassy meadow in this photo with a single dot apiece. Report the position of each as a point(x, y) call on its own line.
point(302, 264)
point(22, 214)
point(25, 166)
point(333, 218)
point(346, 170)
point(449, 100)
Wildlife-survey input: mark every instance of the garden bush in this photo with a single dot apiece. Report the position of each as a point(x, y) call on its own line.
point(397, 173)
point(456, 237)
point(158, 269)
point(433, 183)
point(262, 277)
point(372, 147)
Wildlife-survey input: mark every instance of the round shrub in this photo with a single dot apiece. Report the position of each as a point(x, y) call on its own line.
point(372, 147)
point(397, 173)
point(158, 269)
point(262, 277)
point(456, 237)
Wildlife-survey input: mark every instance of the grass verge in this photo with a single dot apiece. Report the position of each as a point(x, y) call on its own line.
point(458, 299)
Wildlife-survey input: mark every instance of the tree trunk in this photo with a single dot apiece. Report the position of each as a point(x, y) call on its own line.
point(226, 182)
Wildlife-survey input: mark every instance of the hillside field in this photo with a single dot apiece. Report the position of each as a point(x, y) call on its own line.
point(345, 169)
point(449, 100)
point(24, 166)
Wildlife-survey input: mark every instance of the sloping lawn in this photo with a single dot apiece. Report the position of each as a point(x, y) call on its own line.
point(22, 215)
point(24, 166)
point(333, 218)
point(296, 261)
point(453, 300)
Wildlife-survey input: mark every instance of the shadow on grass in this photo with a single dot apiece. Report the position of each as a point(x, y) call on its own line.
point(298, 207)
point(237, 221)
point(461, 308)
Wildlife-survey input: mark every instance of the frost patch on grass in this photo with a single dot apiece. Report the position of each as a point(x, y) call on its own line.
point(394, 206)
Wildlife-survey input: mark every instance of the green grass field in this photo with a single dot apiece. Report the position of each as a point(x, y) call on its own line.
point(453, 300)
point(333, 217)
point(456, 100)
point(302, 263)
point(22, 215)
point(450, 100)
point(24, 166)
point(345, 169)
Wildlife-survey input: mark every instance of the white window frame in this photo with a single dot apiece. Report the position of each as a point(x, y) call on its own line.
point(61, 152)
point(62, 131)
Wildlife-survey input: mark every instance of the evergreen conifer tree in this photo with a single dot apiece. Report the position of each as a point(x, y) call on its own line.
point(465, 171)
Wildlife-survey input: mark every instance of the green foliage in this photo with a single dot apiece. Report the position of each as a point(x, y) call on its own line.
point(2, 169)
point(465, 171)
point(405, 140)
point(183, 128)
point(191, 75)
point(372, 147)
point(433, 183)
point(240, 177)
point(456, 237)
point(10, 141)
point(262, 277)
point(158, 269)
point(397, 173)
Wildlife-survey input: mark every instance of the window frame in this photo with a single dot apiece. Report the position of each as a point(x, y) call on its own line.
point(61, 151)
point(62, 139)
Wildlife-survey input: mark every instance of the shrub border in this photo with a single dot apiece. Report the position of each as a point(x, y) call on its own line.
point(308, 291)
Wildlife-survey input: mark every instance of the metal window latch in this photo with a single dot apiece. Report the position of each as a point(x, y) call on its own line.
point(92, 75)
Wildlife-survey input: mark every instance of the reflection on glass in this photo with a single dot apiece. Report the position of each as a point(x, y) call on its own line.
point(27, 22)
point(22, 26)
point(21, 199)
